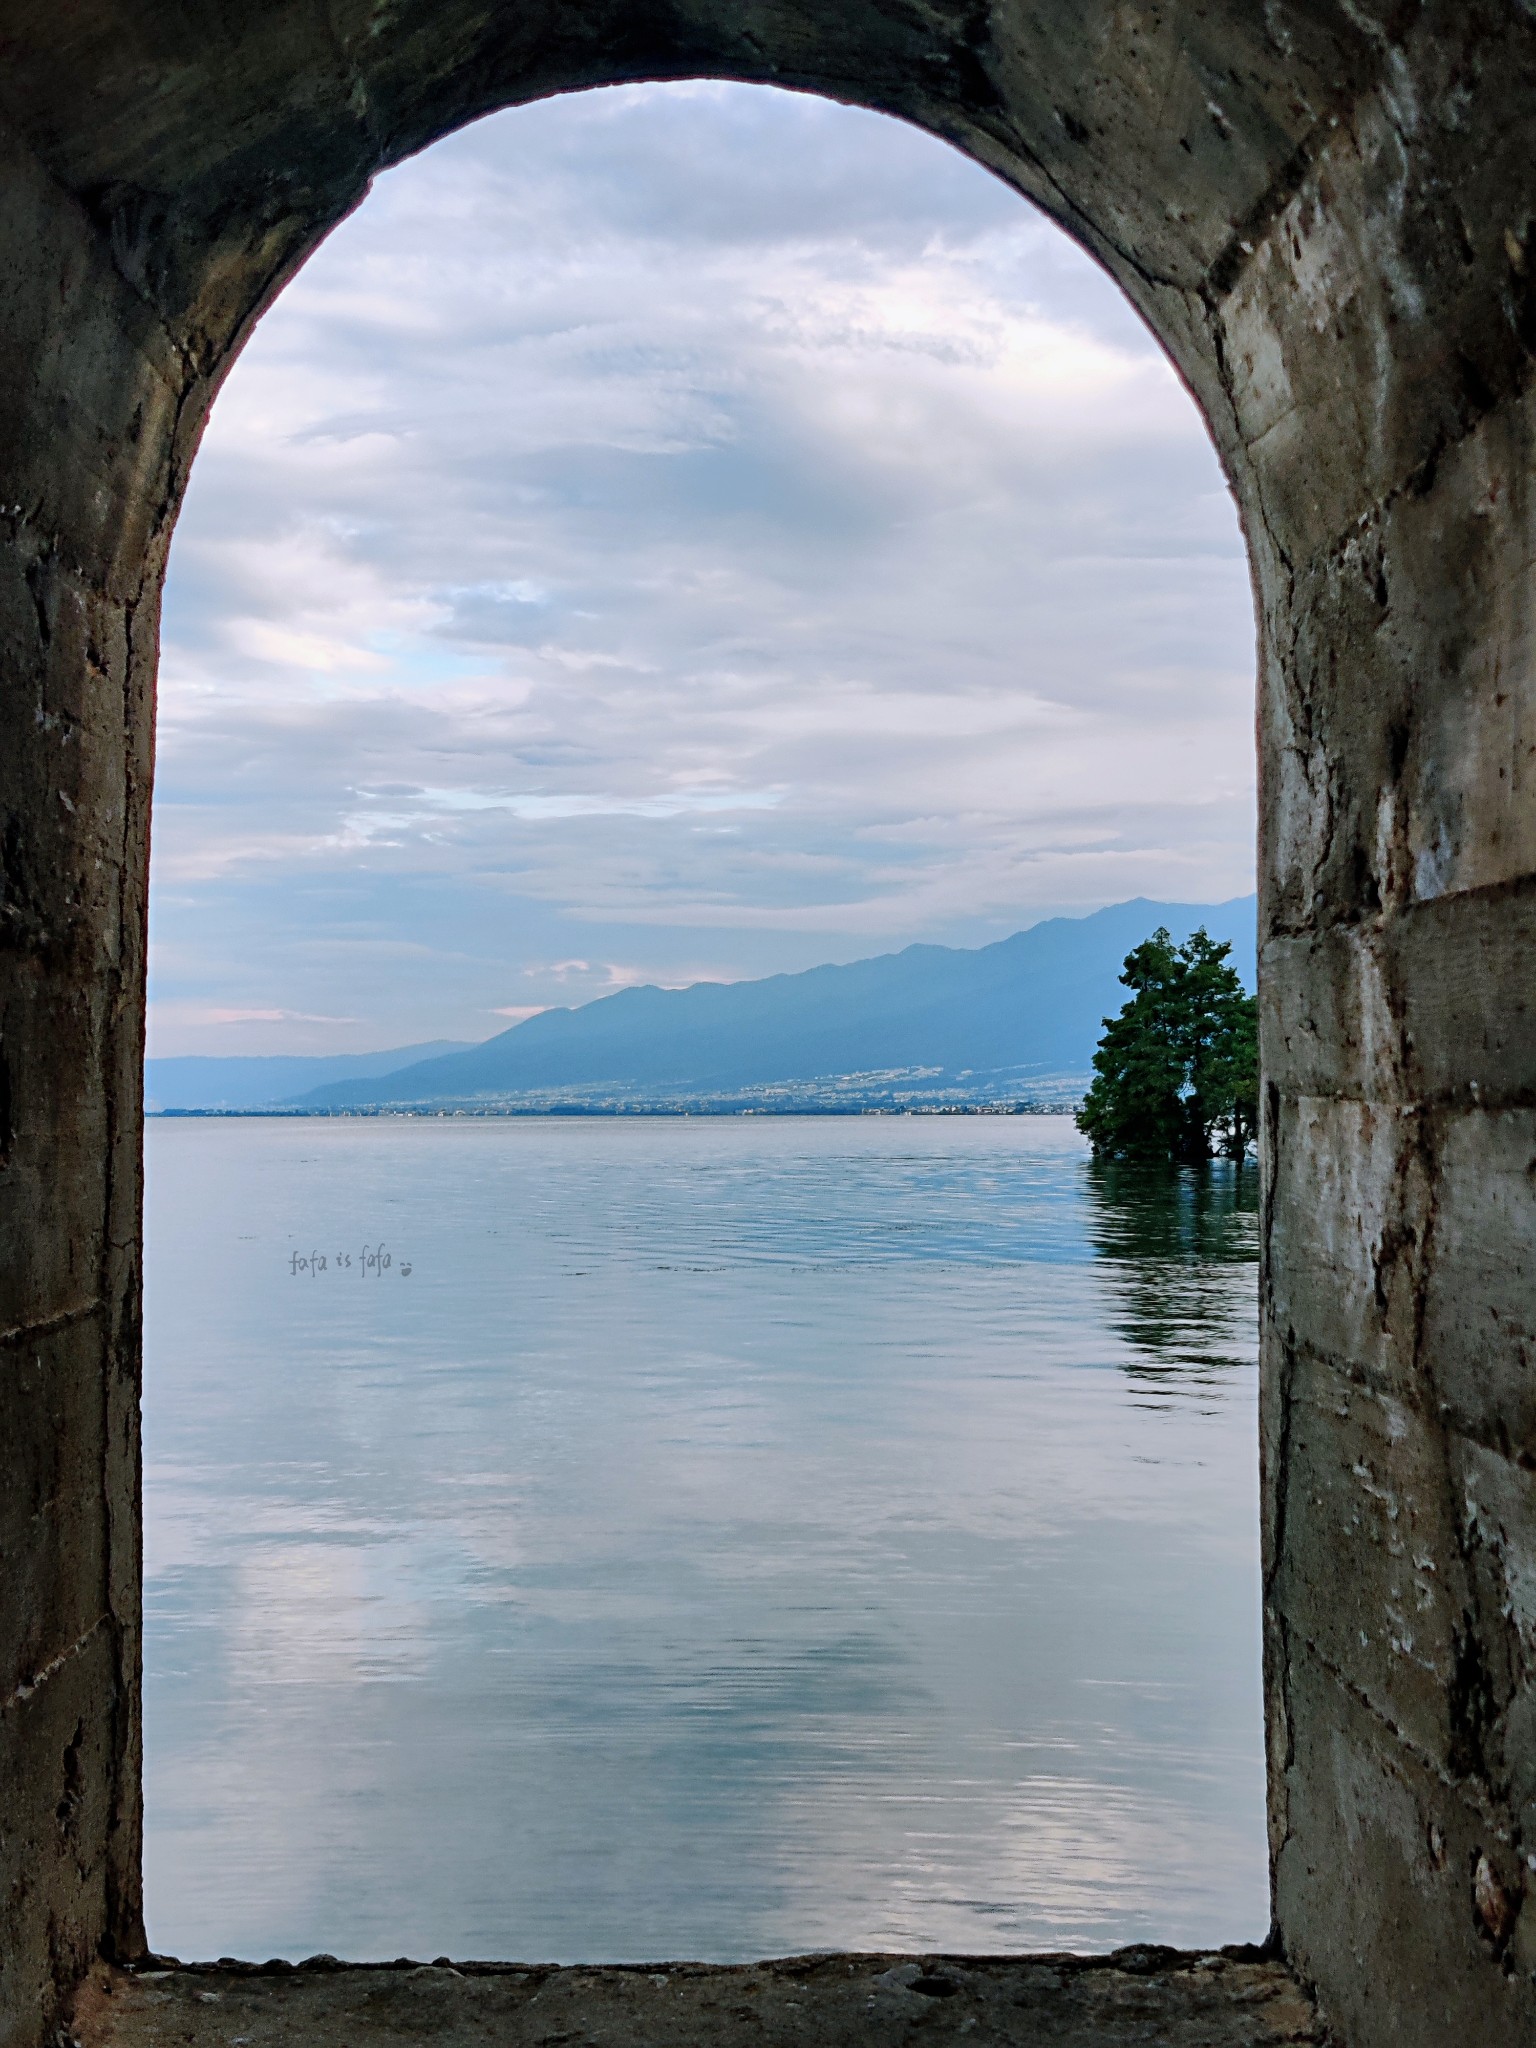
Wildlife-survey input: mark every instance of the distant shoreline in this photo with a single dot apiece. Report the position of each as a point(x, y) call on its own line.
point(425, 1112)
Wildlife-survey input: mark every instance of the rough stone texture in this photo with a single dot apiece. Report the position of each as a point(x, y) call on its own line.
point(1325, 210)
point(1222, 2000)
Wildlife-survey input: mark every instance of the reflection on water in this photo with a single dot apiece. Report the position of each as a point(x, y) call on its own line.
point(638, 1539)
point(1167, 1238)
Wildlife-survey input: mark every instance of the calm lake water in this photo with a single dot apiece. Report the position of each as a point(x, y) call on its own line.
point(704, 1538)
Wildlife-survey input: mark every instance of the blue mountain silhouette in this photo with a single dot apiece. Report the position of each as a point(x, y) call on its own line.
point(1030, 1004)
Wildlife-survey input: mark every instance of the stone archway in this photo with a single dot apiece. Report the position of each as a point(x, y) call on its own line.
point(1324, 209)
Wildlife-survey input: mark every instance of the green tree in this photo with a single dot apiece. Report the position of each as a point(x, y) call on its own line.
point(1176, 1075)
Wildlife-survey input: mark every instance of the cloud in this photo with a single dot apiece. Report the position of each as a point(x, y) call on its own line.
point(191, 1014)
point(699, 509)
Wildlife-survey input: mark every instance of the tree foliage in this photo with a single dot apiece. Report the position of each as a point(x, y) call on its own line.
point(1176, 1075)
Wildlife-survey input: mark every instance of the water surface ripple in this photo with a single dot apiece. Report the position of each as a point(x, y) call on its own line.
point(703, 1537)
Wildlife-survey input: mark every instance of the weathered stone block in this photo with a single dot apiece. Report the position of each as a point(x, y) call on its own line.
point(1350, 1204)
point(87, 354)
point(1461, 970)
point(1403, 227)
point(1435, 1005)
point(1479, 1330)
point(59, 1763)
point(1370, 1577)
point(1459, 797)
point(1495, 1694)
point(1377, 1883)
point(53, 1535)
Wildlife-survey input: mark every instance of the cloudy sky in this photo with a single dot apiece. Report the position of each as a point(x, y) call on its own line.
point(671, 533)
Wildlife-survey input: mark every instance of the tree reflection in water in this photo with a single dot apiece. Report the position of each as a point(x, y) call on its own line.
point(1178, 1248)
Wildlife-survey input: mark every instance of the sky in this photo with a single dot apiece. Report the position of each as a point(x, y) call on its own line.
point(679, 533)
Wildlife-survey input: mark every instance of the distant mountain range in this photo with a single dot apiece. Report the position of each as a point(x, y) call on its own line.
point(932, 1026)
point(251, 1081)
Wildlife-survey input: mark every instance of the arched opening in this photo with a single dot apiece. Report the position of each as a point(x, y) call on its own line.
point(766, 539)
point(1325, 215)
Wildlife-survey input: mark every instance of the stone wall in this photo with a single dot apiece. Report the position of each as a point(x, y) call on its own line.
point(1325, 210)
point(87, 380)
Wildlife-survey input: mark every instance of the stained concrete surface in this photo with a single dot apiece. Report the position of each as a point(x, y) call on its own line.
point(1222, 1999)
